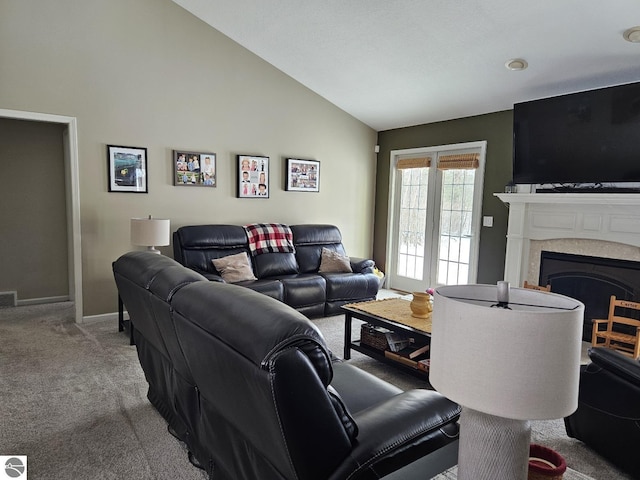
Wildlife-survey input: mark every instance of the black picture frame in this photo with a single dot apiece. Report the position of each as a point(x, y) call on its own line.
point(194, 169)
point(253, 176)
point(302, 175)
point(127, 169)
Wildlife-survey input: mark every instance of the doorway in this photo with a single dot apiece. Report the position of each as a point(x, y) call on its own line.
point(435, 200)
point(72, 193)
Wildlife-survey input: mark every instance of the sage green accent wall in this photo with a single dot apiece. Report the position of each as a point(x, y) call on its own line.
point(496, 129)
point(147, 73)
point(33, 236)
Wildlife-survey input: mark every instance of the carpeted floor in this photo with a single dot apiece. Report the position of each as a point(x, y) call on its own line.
point(73, 400)
point(550, 433)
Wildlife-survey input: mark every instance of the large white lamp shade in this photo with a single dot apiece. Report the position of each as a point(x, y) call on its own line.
point(150, 232)
point(505, 363)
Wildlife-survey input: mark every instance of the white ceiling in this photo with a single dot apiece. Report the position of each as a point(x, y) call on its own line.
point(395, 63)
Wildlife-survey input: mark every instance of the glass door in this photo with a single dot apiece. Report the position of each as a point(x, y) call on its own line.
point(435, 200)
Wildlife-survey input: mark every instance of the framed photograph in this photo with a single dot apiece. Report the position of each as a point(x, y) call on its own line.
point(302, 175)
point(193, 169)
point(253, 176)
point(127, 169)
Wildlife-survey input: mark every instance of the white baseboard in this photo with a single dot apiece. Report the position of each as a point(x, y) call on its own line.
point(39, 301)
point(113, 317)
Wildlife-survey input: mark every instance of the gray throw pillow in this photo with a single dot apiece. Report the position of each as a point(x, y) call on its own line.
point(333, 262)
point(234, 268)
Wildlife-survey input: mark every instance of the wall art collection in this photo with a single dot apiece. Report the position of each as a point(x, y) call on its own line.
point(127, 172)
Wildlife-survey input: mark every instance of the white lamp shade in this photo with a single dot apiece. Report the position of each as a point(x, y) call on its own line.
point(521, 363)
point(150, 232)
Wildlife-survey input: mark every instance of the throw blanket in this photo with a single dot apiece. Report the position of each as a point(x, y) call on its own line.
point(269, 238)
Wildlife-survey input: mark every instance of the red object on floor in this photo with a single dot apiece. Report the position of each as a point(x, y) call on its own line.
point(545, 463)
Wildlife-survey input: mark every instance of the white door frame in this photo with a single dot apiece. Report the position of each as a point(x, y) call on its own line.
point(390, 261)
point(72, 188)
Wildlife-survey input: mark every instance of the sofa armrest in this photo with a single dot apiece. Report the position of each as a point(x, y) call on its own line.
point(398, 431)
point(362, 265)
point(616, 363)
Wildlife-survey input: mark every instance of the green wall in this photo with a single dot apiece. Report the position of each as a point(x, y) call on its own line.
point(496, 129)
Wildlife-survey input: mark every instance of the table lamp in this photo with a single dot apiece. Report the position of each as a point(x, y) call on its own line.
point(149, 232)
point(506, 356)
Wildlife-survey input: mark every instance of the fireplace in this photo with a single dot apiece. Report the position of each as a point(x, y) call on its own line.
point(591, 280)
point(580, 224)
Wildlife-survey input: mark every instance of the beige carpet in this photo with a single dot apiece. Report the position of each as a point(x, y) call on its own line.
point(73, 399)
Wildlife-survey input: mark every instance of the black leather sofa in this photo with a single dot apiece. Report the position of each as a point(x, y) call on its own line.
point(292, 278)
point(608, 415)
point(249, 385)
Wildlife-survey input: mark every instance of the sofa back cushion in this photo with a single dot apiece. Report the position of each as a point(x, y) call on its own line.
point(275, 264)
point(195, 246)
point(309, 241)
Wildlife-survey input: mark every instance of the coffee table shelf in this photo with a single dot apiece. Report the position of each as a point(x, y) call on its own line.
point(358, 346)
point(377, 355)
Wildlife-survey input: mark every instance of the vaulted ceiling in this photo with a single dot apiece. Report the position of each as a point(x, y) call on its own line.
point(396, 63)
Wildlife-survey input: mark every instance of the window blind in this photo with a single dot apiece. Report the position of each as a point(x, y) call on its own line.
point(415, 162)
point(465, 161)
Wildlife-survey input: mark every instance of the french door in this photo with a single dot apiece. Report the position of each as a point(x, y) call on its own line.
point(435, 200)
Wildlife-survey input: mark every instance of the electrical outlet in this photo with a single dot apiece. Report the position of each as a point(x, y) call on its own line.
point(487, 221)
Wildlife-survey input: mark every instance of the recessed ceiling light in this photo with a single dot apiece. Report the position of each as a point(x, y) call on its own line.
point(516, 64)
point(632, 35)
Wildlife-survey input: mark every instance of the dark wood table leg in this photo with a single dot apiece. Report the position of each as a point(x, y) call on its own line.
point(120, 314)
point(347, 335)
point(121, 320)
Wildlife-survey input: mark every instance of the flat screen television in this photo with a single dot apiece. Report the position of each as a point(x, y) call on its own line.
point(590, 137)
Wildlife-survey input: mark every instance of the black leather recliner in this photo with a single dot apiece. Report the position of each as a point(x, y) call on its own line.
point(608, 415)
point(255, 391)
point(146, 287)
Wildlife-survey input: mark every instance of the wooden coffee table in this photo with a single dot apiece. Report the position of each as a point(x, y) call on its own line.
point(393, 314)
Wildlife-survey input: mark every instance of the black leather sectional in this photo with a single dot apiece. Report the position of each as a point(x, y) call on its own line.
point(248, 384)
point(292, 278)
point(608, 414)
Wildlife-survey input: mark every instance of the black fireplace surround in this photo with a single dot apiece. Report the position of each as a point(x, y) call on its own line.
point(591, 280)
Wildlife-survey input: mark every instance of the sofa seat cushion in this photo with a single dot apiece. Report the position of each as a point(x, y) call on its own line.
point(271, 288)
point(347, 286)
point(358, 389)
point(303, 290)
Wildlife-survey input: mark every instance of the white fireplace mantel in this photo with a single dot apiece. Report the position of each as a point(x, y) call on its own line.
point(613, 217)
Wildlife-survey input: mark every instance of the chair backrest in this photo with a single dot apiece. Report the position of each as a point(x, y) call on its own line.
point(630, 315)
point(146, 283)
point(537, 287)
point(262, 371)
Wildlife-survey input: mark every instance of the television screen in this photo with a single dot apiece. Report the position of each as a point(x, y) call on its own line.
point(580, 138)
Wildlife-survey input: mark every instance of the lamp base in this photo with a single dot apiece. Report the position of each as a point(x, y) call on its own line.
point(153, 250)
point(492, 448)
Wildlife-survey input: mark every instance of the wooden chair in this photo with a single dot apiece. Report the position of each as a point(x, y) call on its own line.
point(627, 343)
point(537, 287)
